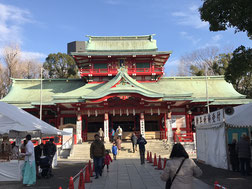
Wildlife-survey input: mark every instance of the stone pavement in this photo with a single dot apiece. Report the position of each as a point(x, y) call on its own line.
point(130, 174)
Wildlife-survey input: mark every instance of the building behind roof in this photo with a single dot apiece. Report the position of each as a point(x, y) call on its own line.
point(122, 84)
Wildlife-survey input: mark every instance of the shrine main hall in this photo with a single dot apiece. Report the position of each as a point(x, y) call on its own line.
point(122, 83)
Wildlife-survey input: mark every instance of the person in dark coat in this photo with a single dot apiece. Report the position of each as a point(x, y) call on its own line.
point(134, 142)
point(233, 155)
point(97, 153)
point(244, 155)
point(38, 150)
point(142, 142)
point(49, 151)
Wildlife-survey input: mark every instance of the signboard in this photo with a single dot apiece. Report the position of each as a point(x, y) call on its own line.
point(66, 139)
point(178, 121)
point(208, 119)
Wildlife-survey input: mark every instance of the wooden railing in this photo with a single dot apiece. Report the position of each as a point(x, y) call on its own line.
point(183, 137)
point(114, 71)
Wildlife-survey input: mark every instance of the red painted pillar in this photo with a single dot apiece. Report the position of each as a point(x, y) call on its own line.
point(165, 123)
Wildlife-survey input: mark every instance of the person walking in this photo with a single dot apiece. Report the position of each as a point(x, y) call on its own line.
point(244, 155)
point(97, 153)
point(141, 143)
point(107, 160)
point(112, 135)
point(114, 150)
point(119, 132)
point(179, 170)
point(134, 142)
point(118, 144)
point(29, 169)
point(49, 151)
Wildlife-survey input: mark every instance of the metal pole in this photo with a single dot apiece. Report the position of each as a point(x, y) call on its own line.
point(208, 110)
point(41, 82)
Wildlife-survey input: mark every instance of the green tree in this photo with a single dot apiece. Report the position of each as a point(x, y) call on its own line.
point(223, 14)
point(60, 65)
point(239, 70)
point(220, 63)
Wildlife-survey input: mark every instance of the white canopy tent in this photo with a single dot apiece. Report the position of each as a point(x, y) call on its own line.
point(15, 121)
point(212, 133)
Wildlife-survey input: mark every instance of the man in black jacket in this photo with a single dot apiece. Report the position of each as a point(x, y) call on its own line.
point(142, 142)
point(49, 151)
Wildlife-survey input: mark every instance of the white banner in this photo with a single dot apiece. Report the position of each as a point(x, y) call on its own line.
point(208, 119)
point(142, 127)
point(79, 131)
point(106, 130)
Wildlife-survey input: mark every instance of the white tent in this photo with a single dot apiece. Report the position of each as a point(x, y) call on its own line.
point(14, 120)
point(212, 133)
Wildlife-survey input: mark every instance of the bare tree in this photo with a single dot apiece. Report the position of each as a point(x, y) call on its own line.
point(198, 61)
point(3, 89)
point(13, 66)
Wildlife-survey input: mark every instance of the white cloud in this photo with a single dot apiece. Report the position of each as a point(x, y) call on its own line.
point(217, 37)
point(190, 37)
point(11, 20)
point(190, 17)
point(33, 55)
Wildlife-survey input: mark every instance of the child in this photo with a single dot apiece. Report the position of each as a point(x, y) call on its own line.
point(107, 160)
point(114, 150)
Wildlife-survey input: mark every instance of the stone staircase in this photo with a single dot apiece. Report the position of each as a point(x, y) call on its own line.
point(81, 152)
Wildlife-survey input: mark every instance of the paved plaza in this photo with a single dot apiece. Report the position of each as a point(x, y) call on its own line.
point(130, 174)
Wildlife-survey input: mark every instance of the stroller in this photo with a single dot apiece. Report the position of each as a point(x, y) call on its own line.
point(45, 166)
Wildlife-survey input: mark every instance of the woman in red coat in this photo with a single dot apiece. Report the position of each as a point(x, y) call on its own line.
point(107, 160)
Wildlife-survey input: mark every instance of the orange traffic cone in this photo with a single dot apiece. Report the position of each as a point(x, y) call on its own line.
point(87, 176)
point(71, 184)
point(216, 185)
point(90, 169)
point(155, 160)
point(164, 162)
point(159, 163)
point(81, 181)
point(150, 158)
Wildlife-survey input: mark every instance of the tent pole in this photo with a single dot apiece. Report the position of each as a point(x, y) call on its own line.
point(41, 82)
point(226, 141)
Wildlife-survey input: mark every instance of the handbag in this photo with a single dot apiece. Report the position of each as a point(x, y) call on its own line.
point(169, 181)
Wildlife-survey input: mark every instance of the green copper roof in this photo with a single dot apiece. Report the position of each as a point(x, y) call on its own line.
point(25, 93)
point(119, 53)
point(218, 88)
point(121, 43)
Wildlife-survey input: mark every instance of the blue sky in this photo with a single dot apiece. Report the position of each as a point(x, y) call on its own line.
point(46, 26)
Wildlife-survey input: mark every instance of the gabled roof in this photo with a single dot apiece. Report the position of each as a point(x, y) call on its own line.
point(123, 83)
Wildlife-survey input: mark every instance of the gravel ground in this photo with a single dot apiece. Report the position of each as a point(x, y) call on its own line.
point(61, 173)
point(229, 179)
